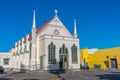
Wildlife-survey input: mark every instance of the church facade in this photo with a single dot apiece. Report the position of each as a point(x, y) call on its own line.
point(50, 47)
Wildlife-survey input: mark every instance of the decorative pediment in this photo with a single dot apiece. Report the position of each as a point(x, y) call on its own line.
point(55, 27)
point(56, 32)
point(56, 21)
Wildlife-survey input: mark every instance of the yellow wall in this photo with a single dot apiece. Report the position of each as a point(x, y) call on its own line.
point(83, 56)
point(101, 57)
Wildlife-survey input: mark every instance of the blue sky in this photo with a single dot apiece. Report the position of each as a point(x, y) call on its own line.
point(98, 21)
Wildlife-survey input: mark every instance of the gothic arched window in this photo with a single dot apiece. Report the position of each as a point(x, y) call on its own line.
point(74, 53)
point(66, 51)
point(63, 50)
point(51, 53)
point(60, 51)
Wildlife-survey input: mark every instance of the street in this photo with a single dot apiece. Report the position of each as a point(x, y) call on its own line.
point(67, 75)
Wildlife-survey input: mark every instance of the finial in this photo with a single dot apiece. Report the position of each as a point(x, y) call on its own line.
point(34, 11)
point(75, 30)
point(34, 22)
point(75, 20)
point(56, 11)
point(74, 26)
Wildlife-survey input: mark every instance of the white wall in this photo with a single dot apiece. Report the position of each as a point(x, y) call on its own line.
point(59, 41)
point(6, 55)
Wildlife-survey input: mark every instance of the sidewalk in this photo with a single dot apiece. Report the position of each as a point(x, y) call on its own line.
point(6, 74)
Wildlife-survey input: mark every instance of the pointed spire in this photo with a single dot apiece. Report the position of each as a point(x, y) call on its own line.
point(56, 12)
point(75, 30)
point(74, 26)
point(34, 22)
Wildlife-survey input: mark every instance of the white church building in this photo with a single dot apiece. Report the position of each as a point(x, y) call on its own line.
point(50, 47)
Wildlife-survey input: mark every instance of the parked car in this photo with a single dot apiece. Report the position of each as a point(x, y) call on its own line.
point(1, 69)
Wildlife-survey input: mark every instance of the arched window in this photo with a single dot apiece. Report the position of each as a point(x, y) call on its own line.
point(51, 53)
point(66, 51)
point(63, 50)
point(60, 51)
point(74, 53)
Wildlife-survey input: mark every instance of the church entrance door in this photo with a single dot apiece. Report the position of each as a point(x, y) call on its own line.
point(63, 53)
point(63, 62)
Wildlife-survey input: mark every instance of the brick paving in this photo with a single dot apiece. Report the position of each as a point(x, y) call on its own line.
point(68, 75)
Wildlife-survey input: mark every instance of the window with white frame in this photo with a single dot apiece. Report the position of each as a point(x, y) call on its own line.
point(6, 61)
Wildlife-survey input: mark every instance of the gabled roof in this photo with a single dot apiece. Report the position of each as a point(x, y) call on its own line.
point(40, 28)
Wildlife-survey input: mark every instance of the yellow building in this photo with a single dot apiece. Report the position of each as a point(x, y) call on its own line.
point(102, 59)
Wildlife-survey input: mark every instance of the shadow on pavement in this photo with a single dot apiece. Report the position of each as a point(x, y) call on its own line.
point(109, 76)
point(57, 72)
point(60, 71)
point(5, 79)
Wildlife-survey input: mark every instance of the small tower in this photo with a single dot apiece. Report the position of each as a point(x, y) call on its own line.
point(33, 44)
point(75, 30)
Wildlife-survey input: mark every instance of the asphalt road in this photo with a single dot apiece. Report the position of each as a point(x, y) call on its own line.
point(65, 75)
